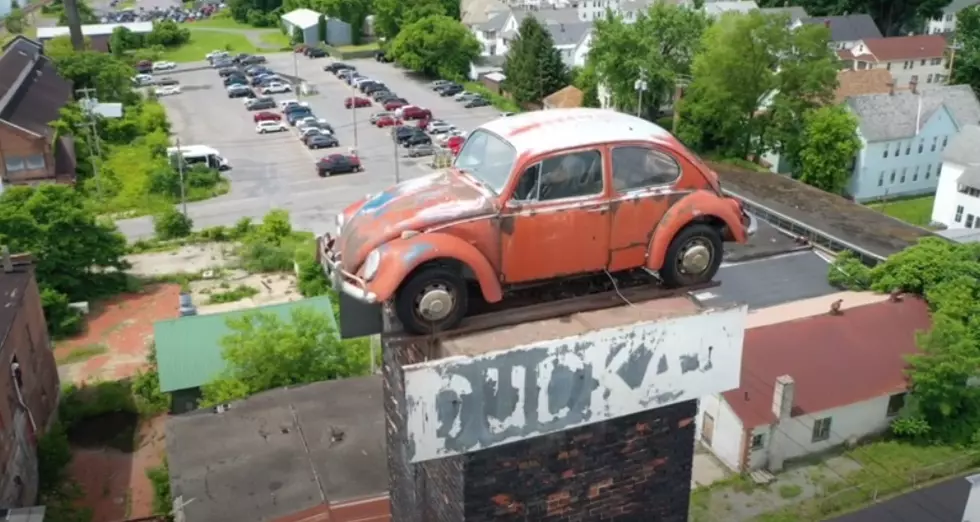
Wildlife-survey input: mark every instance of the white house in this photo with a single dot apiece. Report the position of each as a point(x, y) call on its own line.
point(921, 58)
point(812, 380)
point(845, 31)
point(571, 36)
point(308, 23)
point(946, 22)
point(716, 9)
point(957, 203)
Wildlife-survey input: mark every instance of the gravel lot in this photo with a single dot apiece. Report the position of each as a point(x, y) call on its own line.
point(275, 170)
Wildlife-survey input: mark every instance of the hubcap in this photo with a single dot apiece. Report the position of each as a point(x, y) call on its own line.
point(696, 258)
point(435, 303)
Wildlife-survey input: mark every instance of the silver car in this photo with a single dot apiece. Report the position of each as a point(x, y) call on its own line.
point(419, 151)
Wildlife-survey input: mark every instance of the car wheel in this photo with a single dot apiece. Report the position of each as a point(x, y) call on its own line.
point(693, 257)
point(434, 299)
point(323, 173)
point(358, 169)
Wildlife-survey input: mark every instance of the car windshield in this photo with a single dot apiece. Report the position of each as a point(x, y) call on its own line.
point(488, 158)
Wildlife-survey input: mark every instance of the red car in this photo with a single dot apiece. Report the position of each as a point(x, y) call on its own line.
point(416, 113)
point(356, 101)
point(392, 105)
point(266, 116)
point(454, 143)
point(387, 121)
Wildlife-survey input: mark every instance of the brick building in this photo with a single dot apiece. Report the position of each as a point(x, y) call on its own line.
point(28, 380)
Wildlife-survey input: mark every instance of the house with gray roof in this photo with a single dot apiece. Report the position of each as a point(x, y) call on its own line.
point(904, 135)
point(794, 13)
point(957, 203)
point(572, 36)
point(845, 31)
point(946, 21)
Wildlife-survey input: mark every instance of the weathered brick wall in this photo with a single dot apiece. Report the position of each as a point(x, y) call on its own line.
point(401, 474)
point(635, 468)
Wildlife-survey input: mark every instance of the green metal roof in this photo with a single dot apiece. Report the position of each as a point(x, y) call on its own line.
point(189, 348)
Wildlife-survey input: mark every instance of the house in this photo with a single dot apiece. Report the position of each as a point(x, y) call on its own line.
point(952, 500)
point(812, 380)
point(716, 9)
point(474, 12)
point(29, 380)
point(794, 13)
point(946, 22)
point(845, 31)
point(286, 454)
point(484, 65)
point(572, 37)
point(957, 203)
point(31, 97)
point(903, 136)
point(909, 58)
point(308, 22)
point(98, 35)
point(860, 82)
point(189, 350)
point(569, 97)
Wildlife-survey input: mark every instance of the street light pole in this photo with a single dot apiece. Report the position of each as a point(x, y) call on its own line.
point(296, 76)
point(353, 112)
point(180, 171)
point(679, 85)
point(641, 86)
point(394, 142)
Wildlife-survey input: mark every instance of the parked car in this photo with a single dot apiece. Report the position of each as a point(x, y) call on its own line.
point(267, 126)
point(391, 105)
point(144, 67)
point(294, 116)
point(382, 57)
point(439, 127)
point(240, 91)
point(372, 86)
point(309, 132)
point(167, 90)
point(252, 60)
point(266, 80)
point(415, 113)
point(466, 97)
point(477, 102)
point(228, 71)
point(142, 80)
point(383, 96)
point(356, 101)
point(337, 164)
point(447, 86)
point(378, 115)
point(336, 66)
point(162, 82)
point(235, 80)
point(422, 149)
point(266, 116)
point(419, 138)
point(259, 78)
point(684, 247)
point(286, 105)
point(454, 143)
point(322, 141)
point(439, 83)
point(403, 133)
point(506, 114)
point(276, 87)
point(164, 66)
point(387, 121)
point(255, 70)
point(259, 104)
point(316, 52)
point(451, 90)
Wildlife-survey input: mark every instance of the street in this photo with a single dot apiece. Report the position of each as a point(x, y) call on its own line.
point(276, 171)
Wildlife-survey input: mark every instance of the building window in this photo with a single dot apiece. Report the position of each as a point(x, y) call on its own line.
point(758, 441)
point(891, 179)
point(14, 164)
point(959, 214)
point(35, 162)
point(929, 79)
point(881, 178)
point(936, 61)
point(898, 149)
point(908, 148)
point(915, 175)
point(902, 179)
point(923, 62)
point(885, 154)
point(922, 143)
point(888, 66)
point(821, 430)
point(945, 141)
point(935, 141)
point(895, 404)
point(969, 221)
point(939, 169)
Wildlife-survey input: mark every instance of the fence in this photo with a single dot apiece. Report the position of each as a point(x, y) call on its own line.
point(441, 159)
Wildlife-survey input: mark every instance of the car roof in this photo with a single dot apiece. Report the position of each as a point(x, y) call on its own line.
point(555, 129)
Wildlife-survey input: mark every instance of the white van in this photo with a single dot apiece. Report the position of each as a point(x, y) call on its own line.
point(201, 154)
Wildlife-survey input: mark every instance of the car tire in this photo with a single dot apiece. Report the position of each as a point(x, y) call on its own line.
point(432, 281)
point(699, 247)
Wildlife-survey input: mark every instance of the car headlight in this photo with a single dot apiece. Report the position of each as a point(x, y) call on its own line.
point(371, 265)
point(340, 222)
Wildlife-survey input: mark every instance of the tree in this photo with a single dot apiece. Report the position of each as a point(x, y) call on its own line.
point(107, 74)
point(893, 18)
point(85, 14)
point(321, 28)
point(167, 33)
point(436, 45)
point(14, 22)
point(264, 352)
point(391, 15)
point(298, 36)
point(534, 68)
point(172, 224)
point(660, 46)
point(587, 81)
point(966, 60)
point(829, 145)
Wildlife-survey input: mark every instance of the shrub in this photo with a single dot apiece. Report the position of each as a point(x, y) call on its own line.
point(172, 224)
point(92, 400)
point(235, 294)
point(160, 479)
point(150, 401)
point(260, 256)
point(63, 320)
point(53, 457)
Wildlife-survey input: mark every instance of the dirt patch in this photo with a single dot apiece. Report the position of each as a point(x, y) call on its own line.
point(189, 259)
point(110, 430)
point(271, 289)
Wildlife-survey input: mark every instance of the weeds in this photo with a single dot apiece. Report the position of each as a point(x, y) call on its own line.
point(235, 294)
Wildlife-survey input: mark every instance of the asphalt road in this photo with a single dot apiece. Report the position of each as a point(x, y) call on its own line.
point(276, 171)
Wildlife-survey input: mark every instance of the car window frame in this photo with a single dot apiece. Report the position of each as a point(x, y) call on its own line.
point(648, 147)
point(537, 163)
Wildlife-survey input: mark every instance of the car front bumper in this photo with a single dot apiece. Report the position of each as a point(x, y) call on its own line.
point(342, 280)
point(751, 224)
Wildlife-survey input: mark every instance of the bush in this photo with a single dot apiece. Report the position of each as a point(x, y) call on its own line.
point(62, 319)
point(501, 102)
point(91, 400)
point(53, 457)
point(310, 279)
point(168, 34)
point(260, 256)
point(150, 401)
point(172, 224)
point(235, 294)
point(160, 479)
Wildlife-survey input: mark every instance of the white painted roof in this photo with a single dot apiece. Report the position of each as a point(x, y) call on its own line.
point(554, 129)
point(302, 18)
point(47, 33)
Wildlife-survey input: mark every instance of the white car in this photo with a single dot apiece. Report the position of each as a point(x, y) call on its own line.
point(464, 94)
point(143, 79)
point(276, 87)
point(358, 81)
point(440, 127)
point(265, 127)
point(442, 140)
point(216, 54)
point(306, 131)
point(284, 104)
point(167, 91)
point(164, 66)
point(309, 121)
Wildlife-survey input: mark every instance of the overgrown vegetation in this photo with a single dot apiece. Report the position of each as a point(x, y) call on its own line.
point(235, 294)
point(147, 397)
point(160, 480)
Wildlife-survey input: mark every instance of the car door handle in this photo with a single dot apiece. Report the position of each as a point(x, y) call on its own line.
point(598, 210)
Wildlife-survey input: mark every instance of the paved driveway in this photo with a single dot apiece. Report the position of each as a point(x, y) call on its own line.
point(276, 171)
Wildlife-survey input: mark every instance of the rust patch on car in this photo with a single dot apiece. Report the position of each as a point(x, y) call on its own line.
point(506, 224)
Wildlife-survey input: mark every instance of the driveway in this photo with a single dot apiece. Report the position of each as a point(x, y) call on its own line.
point(276, 171)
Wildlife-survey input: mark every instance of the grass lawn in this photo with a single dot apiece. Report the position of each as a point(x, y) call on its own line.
point(221, 23)
point(203, 42)
point(916, 211)
point(275, 39)
point(351, 48)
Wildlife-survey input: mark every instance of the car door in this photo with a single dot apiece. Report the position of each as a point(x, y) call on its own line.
point(557, 220)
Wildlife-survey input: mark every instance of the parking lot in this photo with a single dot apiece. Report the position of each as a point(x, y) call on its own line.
point(276, 171)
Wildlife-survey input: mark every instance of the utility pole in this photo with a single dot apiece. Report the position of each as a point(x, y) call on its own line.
point(679, 85)
point(180, 171)
point(952, 57)
point(296, 76)
point(94, 145)
point(641, 86)
point(394, 142)
point(74, 25)
point(353, 112)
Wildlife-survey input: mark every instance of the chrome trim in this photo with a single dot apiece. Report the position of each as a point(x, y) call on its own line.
point(344, 281)
point(753, 225)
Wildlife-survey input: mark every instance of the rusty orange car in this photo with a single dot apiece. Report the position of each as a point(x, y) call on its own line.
point(531, 199)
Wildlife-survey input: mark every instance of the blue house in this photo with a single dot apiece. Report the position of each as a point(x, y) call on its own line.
point(904, 134)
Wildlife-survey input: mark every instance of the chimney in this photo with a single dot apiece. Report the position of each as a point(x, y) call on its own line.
point(8, 265)
point(782, 407)
point(891, 88)
point(913, 83)
point(972, 511)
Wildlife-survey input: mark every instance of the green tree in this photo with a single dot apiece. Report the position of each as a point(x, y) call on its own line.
point(172, 224)
point(829, 145)
point(435, 45)
point(264, 352)
point(298, 36)
point(85, 14)
point(391, 15)
point(966, 61)
point(893, 18)
point(321, 28)
point(15, 21)
point(659, 46)
point(168, 33)
point(110, 76)
point(587, 80)
point(534, 68)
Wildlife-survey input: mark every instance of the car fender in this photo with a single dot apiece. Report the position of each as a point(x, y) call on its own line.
point(402, 256)
point(699, 205)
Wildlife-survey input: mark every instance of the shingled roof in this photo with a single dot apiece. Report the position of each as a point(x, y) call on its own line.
point(847, 28)
point(31, 91)
point(885, 117)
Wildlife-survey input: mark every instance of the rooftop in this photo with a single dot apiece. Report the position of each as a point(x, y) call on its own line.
point(887, 117)
point(719, 8)
point(961, 235)
point(13, 286)
point(793, 12)
point(568, 97)
point(796, 204)
point(894, 48)
point(280, 452)
point(872, 338)
point(302, 18)
point(788, 278)
point(943, 502)
point(962, 149)
point(47, 33)
point(189, 350)
point(847, 28)
point(861, 82)
point(31, 91)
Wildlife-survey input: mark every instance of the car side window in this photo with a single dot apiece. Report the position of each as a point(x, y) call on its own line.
point(642, 167)
point(565, 176)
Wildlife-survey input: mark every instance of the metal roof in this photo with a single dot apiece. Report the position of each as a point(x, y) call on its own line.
point(47, 33)
point(189, 348)
point(963, 149)
point(302, 18)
